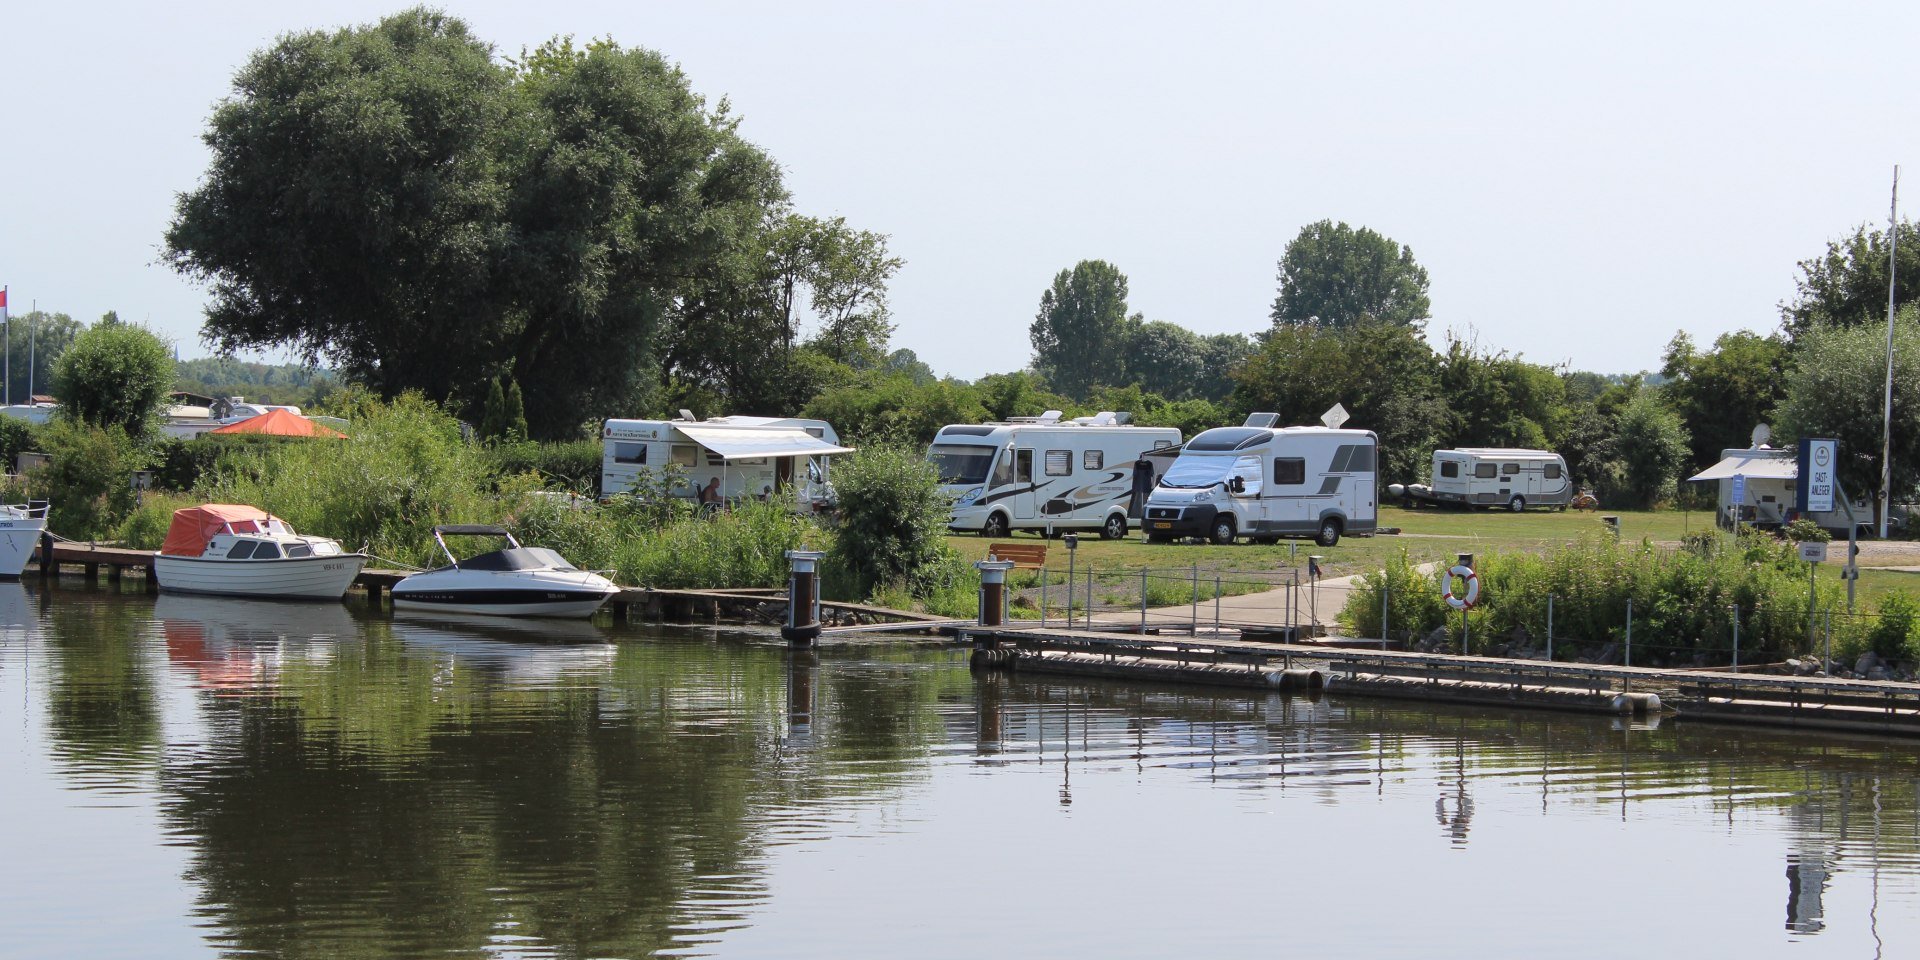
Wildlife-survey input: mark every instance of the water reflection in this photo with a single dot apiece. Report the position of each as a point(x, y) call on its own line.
point(346, 784)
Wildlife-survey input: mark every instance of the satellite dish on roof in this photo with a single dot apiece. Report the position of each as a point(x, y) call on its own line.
point(1335, 417)
point(1762, 435)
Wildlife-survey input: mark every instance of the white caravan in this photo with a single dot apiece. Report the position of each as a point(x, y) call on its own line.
point(1493, 477)
point(1266, 482)
point(1045, 473)
point(749, 457)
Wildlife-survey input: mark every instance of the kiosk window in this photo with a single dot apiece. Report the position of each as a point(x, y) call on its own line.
point(1059, 463)
point(1289, 471)
point(1485, 471)
point(1093, 459)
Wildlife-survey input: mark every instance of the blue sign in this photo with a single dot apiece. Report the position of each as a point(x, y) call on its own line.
point(1739, 489)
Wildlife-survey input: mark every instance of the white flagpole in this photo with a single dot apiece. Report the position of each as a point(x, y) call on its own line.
point(1886, 430)
point(36, 309)
point(6, 332)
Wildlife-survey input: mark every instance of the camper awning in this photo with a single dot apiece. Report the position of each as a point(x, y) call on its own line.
point(737, 444)
point(1753, 467)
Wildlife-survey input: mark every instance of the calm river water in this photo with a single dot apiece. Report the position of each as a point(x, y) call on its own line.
point(192, 777)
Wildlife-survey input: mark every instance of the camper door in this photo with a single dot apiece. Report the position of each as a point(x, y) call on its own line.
point(1245, 484)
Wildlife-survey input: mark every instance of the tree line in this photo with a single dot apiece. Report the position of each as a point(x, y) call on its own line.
point(544, 240)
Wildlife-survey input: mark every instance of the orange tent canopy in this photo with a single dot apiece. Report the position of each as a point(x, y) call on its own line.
point(194, 527)
point(279, 423)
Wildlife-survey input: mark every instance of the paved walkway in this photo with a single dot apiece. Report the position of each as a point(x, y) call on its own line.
point(1319, 604)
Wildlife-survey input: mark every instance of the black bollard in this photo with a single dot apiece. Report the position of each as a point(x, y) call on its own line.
point(46, 555)
point(803, 598)
point(993, 592)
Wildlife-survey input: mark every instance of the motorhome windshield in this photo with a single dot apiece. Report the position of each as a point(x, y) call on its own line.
point(961, 464)
point(1189, 472)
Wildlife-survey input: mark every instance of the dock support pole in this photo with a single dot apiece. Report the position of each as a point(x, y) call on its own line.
point(1143, 602)
point(1628, 659)
point(1736, 638)
point(47, 564)
point(1385, 591)
point(1195, 629)
point(1043, 596)
point(1216, 606)
point(1549, 628)
point(993, 595)
point(1825, 665)
point(803, 598)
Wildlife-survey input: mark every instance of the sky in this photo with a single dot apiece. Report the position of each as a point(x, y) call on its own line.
point(1580, 183)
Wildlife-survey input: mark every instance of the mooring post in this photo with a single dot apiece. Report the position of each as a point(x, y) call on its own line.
point(1043, 596)
point(1195, 629)
point(1628, 659)
point(1089, 598)
point(1549, 628)
point(803, 598)
point(1216, 605)
point(1143, 601)
point(993, 596)
point(1826, 664)
point(46, 555)
point(1736, 638)
point(1073, 545)
point(1385, 589)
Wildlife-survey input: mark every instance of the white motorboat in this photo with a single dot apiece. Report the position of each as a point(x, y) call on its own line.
point(242, 551)
point(515, 581)
point(20, 529)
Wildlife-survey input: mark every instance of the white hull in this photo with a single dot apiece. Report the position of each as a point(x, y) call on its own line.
point(547, 608)
point(306, 578)
point(18, 538)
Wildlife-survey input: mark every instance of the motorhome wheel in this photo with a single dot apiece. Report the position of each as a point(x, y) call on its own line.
point(996, 525)
point(1115, 528)
point(1517, 504)
point(1329, 532)
point(1223, 530)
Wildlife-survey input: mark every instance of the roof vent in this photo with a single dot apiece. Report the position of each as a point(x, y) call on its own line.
point(1123, 417)
point(686, 414)
point(1051, 416)
point(1262, 421)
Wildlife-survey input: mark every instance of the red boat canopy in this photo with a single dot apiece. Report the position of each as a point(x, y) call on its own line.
point(194, 527)
point(280, 423)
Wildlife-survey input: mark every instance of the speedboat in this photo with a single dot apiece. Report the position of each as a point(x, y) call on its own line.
point(515, 581)
point(240, 551)
point(20, 529)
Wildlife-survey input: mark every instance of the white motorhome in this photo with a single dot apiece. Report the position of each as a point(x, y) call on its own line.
point(1266, 482)
point(1493, 477)
point(1045, 473)
point(1767, 480)
point(749, 457)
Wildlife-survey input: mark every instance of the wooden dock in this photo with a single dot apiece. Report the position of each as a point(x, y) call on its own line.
point(1814, 702)
point(751, 605)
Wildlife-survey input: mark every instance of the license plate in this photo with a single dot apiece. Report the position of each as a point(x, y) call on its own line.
point(1163, 525)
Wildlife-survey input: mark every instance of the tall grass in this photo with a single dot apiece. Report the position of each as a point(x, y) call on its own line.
point(742, 547)
point(1684, 602)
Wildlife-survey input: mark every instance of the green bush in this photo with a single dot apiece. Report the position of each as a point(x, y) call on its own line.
point(1891, 635)
point(893, 521)
point(566, 466)
point(742, 547)
point(88, 479)
point(1413, 601)
point(404, 470)
point(115, 375)
point(146, 527)
point(1805, 531)
point(1682, 600)
point(16, 435)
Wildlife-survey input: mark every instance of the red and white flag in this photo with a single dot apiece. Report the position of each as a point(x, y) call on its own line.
point(3, 304)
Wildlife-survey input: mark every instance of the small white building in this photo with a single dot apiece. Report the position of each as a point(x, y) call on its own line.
point(1769, 478)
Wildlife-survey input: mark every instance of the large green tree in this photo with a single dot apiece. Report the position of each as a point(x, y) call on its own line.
point(1723, 393)
point(423, 215)
point(1333, 275)
point(1847, 285)
point(1649, 450)
point(1386, 377)
point(1837, 389)
point(1081, 333)
point(115, 376)
point(1497, 400)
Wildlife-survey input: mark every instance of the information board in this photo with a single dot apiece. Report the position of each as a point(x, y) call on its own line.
point(1814, 491)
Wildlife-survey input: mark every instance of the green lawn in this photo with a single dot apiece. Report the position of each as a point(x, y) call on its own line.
point(1425, 535)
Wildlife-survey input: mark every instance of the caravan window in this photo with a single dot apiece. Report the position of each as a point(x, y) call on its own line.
point(629, 452)
point(1289, 471)
point(1003, 471)
point(1509, 469)
point(1093, 459)
point(1059, 463)
point(1485, 471)
point(686, 454)
point(959, 463)
point(1023, 466)
point(1449, 468)
point(1553, 471)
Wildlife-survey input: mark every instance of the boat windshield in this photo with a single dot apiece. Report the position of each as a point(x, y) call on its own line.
point(517, 558)
point(961, 463)
point(1191, 472)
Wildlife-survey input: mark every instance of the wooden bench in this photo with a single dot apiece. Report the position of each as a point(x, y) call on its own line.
point(1025, 556)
